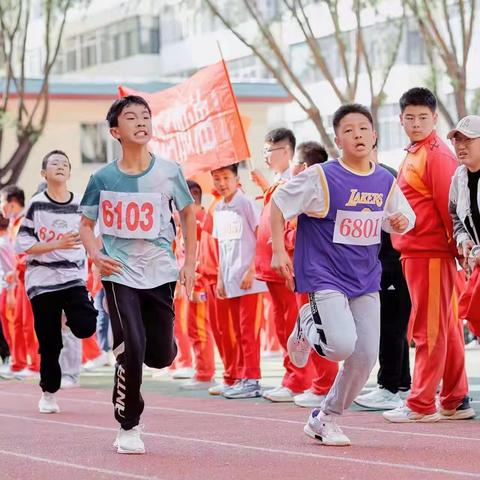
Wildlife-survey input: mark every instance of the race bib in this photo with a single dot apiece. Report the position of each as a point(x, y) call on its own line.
point(133, 215)
point(228, 226)
point(358, 228)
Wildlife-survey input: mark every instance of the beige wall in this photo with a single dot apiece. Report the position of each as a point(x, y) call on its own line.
point(63, 132)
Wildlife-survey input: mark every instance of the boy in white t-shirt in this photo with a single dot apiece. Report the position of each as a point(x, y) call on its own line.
point(56, 271)
point(235, 226)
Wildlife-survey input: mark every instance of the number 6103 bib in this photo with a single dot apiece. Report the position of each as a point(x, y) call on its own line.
point(358, 228)
point(132, 215)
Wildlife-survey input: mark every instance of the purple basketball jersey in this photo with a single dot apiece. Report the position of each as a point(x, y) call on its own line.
point(340, 251)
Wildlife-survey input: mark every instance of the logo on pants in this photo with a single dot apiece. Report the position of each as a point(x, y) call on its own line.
point(120, 392)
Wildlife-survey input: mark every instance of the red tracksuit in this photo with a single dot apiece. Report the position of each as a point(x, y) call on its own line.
point(427, 255)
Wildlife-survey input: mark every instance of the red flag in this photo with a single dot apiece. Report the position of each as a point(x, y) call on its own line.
point(197, 123)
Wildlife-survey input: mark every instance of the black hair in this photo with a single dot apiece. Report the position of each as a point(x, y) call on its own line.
point(312, 153)
point(118, 105)
point(233, 168)
point(348, 108)
point(192, 184)
point(4, 222)
point(280, 134)
point(14, 193)
point(54, 152)
point(418, 96)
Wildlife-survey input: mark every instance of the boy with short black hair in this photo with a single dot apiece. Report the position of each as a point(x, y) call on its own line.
point(341, 206)
point(55, 271)
point(235, 228)
point(308, 154)
point(428, 261)
point(132, 200)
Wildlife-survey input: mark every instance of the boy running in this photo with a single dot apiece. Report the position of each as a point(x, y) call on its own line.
point(55, 271)
point(132, 199)
point(341, 206)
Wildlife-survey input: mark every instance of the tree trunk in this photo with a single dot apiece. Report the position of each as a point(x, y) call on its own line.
point(17, 161)
point(316, 118)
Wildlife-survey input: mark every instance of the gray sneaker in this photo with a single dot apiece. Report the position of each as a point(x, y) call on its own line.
point(244, 389)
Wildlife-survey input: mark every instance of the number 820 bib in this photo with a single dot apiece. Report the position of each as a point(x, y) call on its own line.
point(133, 215)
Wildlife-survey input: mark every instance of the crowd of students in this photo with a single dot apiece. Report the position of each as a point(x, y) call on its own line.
point(353, 263)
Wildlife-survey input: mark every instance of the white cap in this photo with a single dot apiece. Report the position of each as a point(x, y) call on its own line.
point(468, 126)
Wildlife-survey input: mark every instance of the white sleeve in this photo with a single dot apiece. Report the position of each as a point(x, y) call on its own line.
point(306, 193)
point(397, 203)
point(26, 237)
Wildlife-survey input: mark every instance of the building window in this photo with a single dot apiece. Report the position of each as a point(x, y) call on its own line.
point(93, 143)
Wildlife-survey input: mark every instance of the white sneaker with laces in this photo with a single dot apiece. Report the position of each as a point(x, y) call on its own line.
point(183, 373)
point(279, 395)
point(406, 415)
point(129, 441)
point(309, 399)
point(195, 384)
point(48, 404)
point(323, 428)
point(379, 399)
point(297, 344)
point(100, 361)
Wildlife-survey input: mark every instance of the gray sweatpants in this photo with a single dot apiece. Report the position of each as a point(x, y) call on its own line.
point(348, 329)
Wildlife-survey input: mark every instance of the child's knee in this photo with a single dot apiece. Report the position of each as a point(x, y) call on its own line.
point(340, 348)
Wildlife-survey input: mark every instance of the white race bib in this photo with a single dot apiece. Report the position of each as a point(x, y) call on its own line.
point(358, 228)
point(228, 225)
point(133, 215)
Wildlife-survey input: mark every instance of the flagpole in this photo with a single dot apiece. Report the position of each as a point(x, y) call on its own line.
point(249, 160)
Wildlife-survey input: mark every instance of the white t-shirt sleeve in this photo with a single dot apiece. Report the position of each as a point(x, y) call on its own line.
point(26, 237)
point(306, 193)
point(397, 203)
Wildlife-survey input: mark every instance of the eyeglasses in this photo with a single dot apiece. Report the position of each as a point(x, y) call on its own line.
point(268, 151)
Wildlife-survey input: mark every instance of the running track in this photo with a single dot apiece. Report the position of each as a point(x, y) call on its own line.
point(214, 438)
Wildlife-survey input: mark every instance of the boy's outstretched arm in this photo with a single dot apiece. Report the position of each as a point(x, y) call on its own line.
point(189, 229)
point(105, 265)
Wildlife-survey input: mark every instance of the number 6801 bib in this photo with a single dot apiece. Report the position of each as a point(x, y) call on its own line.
point(132, 215)
point(358, 228)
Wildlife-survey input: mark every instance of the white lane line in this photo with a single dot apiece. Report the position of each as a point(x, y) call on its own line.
point(267, 419)
point(237, 446)
point(115, 473)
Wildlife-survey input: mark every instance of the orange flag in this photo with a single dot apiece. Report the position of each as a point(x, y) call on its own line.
point(197, 123)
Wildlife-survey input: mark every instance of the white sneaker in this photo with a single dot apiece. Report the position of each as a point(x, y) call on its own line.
point(247, 388)
point(195, 384)
point(379, 399)
point(129, 441)
point(279, 394)
point(218, 389)
point(48, 404)
point(68, 382)
point(406, 415)
point(183, 373)
point(6, 372)
point(100, 361)
point(297, 345)
point(473, 345)
point(403, 394)
point(25, 373)
point(323, 428)
point(309, 400)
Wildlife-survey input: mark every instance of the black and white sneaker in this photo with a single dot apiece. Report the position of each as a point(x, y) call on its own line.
point(297, 345)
